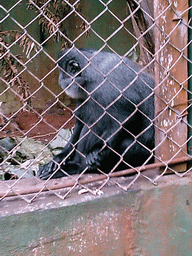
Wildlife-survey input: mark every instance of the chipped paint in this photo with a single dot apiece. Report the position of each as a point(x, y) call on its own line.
point(171, 72)
point(121, 223)
point(175, 3)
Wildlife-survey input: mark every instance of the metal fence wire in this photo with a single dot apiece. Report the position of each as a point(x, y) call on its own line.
point(113, 107)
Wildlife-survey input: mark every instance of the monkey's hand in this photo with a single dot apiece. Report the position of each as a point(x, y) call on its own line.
point(93, 159)
point(48, 170)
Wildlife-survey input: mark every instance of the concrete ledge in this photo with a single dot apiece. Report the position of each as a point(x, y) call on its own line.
point(145, 220)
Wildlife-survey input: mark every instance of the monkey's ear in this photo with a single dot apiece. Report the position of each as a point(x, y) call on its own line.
point(72, 67)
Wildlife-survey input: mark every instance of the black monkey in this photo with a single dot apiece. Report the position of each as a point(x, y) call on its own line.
point(114, 113)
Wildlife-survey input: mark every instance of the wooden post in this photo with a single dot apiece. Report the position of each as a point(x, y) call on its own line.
point(171, 36)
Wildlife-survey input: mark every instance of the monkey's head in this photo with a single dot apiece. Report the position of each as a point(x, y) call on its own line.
point(74, 75)
point(83, 70)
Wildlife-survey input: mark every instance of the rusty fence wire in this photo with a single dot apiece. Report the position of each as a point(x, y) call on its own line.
point(37, 115)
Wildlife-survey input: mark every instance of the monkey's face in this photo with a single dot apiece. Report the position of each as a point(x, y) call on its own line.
point(82, 71)
point(72, 67)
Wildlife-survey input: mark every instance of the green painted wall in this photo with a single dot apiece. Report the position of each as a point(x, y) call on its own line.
point(147, 220)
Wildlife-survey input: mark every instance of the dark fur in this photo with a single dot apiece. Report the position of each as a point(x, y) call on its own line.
point(120, 107)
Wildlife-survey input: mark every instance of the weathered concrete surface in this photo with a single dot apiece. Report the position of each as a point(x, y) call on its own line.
point(147, 220)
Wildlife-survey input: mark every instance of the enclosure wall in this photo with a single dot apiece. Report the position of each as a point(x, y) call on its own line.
point(149, 220)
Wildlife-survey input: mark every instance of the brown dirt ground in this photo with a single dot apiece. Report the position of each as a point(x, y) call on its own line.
point(34, 124)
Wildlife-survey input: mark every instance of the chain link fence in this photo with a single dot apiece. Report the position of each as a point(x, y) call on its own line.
point(132, 120)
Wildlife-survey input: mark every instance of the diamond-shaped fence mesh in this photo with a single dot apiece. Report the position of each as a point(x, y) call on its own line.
point(113, 106)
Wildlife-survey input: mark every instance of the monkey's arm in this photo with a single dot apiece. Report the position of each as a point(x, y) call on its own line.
point(59, 160)
point(114, 140)
point(103, 147)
